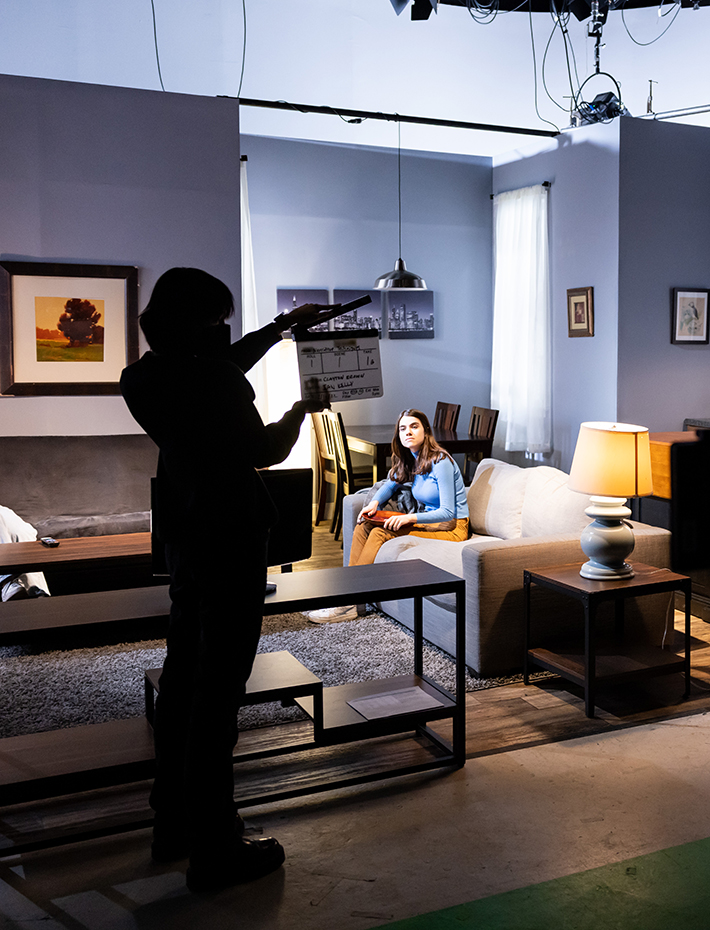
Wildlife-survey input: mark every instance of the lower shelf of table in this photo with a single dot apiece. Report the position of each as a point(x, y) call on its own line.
point(57, 762)
point(611, 663)
point(341, 723)
point(270, 769)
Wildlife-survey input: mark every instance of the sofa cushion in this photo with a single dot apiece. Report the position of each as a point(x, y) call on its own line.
point(550, 506)
point(495, 499)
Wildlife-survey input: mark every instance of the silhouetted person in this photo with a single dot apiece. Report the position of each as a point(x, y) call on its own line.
point(213, 513)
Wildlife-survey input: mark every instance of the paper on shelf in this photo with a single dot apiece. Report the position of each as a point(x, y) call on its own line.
point(389, 703)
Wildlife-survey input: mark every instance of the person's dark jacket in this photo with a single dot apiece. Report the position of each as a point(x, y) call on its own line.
point(200, 413)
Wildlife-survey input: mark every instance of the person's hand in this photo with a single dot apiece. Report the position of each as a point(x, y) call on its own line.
point(402, 519)
point(367, 511)
point(306, 315)
point(312, 404)
point(317, 396)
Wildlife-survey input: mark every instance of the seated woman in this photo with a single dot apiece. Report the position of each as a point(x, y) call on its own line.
point(437, 484)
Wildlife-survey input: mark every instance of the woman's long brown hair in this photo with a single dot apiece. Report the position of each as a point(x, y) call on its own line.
point(404, 465)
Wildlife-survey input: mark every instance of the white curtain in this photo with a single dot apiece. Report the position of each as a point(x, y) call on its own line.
point(521, 367)
point(275, 378)
point(250, 313)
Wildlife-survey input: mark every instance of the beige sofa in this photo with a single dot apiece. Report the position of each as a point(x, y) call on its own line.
point(521, 518)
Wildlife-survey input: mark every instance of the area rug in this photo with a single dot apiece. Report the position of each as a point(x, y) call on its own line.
point(65, 688)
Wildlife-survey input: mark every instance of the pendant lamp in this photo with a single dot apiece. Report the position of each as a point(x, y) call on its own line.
point(400, 277)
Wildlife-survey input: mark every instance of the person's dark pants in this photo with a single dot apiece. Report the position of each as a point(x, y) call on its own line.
point(217, 607)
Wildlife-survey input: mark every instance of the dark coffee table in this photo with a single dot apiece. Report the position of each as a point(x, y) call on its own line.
point(335, 720)
point(279, 762)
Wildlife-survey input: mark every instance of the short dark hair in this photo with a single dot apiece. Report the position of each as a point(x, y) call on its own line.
point(184, 299)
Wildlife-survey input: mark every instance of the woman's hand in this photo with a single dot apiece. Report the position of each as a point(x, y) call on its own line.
point(402, 519)
point(367, 511)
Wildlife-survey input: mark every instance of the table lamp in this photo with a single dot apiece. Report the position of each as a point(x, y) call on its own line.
point(612, 461)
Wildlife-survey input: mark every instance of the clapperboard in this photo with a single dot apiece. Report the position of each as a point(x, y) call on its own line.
point(341, 365)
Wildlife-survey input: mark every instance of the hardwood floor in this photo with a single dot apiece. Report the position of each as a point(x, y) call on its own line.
point(327, 553)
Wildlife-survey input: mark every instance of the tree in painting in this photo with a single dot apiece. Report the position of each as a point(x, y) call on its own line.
point(80, 323)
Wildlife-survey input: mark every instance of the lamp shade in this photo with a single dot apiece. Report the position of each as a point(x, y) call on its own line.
point(612, 460)
point(400, 277)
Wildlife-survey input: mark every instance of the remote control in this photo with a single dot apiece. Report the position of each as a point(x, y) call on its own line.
point(49, 541)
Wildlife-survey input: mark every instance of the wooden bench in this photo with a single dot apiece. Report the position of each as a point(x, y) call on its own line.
point(37, 618)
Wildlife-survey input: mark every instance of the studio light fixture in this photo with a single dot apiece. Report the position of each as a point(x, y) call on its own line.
point(612, 461)
point(399, 277)
point(421, 9)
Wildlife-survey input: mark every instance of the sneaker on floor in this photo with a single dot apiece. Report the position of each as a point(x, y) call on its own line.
point(330, 614)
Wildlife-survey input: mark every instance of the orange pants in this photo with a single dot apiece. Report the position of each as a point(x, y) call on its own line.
point(368, 537)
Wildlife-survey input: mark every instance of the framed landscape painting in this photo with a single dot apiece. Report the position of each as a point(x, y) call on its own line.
point(66, 329)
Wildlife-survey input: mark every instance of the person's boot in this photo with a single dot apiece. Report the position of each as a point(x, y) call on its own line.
point(243, 861)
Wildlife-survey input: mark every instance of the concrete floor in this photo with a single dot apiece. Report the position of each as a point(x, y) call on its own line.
point(360, 859)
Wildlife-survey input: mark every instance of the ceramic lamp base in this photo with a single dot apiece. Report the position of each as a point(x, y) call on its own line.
point(608, 540)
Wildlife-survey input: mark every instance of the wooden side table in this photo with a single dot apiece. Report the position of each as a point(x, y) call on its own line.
point(611, 660)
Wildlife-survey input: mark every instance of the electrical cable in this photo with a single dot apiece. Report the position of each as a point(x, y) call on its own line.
point(244, 46)
point(544, 60)
point(155, 41)
point(635, 41)
point(532, 42)
point(563, 19)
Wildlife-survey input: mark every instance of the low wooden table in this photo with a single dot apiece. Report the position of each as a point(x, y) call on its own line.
point(587, 660)
point(124, 550)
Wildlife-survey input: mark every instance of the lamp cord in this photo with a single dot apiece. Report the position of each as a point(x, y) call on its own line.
point(155, 42)
point(399, 182)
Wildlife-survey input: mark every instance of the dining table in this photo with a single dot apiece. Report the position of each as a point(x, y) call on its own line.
point(375, 441)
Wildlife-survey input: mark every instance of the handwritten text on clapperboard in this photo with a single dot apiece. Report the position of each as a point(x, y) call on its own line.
point(347, 368)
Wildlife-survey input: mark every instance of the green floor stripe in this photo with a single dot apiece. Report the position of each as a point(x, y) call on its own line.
point(667, 890)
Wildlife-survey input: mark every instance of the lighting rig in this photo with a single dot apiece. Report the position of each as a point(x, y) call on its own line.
point(605, 106)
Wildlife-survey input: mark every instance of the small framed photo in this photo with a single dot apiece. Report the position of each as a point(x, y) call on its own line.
point(66, 329)
point(580, 311)
point(689, 316)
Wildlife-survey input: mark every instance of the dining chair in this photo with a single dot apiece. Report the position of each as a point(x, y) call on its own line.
point(446, 416)
point(350, 479)
point(482, 426)
point(328, 472)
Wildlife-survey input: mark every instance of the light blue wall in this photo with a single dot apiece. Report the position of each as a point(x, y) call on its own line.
point(582, 166)
point(325, 215)
point(114, 176)
point(664, 222)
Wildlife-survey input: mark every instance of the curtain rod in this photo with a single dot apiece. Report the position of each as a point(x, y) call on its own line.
point(395, 117)
point(493, 196)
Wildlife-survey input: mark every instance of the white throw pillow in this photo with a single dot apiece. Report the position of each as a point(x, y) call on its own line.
point(495, 499)
point(550, 506)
